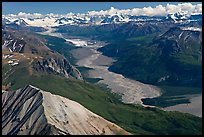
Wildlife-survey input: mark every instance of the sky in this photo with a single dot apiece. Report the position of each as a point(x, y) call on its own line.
point(74, 7)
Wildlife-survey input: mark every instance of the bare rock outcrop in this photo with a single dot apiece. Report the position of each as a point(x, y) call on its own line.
point(46, 60)
point(31, 111)
point(57, 66)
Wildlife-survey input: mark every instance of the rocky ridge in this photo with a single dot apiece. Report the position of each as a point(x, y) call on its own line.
point(31, 111)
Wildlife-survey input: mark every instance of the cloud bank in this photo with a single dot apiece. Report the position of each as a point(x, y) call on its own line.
point(159, 10)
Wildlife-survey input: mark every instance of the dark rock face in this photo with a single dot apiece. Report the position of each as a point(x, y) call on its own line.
point(57, 66)
point(22, 113)
point(12, 43)
point(177, 40)
point(22, 41)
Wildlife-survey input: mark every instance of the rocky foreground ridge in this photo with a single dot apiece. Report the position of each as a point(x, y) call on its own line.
point(31, 111)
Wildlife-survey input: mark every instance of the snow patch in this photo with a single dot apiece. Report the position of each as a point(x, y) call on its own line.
point(192, 28)
point(78, 42)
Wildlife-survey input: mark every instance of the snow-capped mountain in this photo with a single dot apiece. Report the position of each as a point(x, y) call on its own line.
point(5, 21)
point(113, 19)
point(20, 22)
point(113, 16)
point(178, 17)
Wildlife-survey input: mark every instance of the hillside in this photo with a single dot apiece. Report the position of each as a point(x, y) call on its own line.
point(25, 50)
point(41, 113)
point(171, 60)
point(152, 61)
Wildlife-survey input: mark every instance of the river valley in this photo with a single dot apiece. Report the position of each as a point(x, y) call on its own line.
point(131, 91)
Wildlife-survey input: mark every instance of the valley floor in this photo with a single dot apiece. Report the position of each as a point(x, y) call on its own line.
point(131, 91)
point(195, 107)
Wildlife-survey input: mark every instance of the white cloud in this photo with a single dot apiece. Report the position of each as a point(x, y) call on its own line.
point(198, 8)
point(23, 14)
point(37, 15)
point(12, 15)
point(172, 8)
point(27, 15)
point(187, 8)
point(160, 10)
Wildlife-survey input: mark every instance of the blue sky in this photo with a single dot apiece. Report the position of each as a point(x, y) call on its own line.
point(75, 7)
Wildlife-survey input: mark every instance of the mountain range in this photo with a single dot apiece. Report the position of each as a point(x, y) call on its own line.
point(45, 93)
point(86, 19)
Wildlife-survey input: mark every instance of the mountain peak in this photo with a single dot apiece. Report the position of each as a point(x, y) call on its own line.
point(178, 16)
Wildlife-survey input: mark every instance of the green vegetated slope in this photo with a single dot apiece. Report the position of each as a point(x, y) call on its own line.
point(133, 118)
point(143, 63)
point(146, 60)
point(150, 60)
point(149, 53)
point(59, 45)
